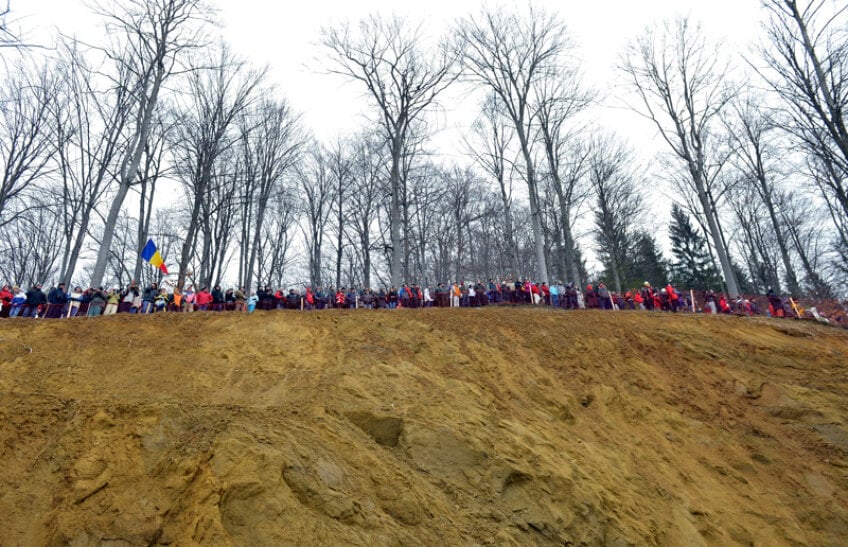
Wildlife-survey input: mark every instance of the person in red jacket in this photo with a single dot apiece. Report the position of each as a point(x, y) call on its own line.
point(536, 293)
point(6, 297)
point(723, 306)
point(672, 297)
point(203, 299)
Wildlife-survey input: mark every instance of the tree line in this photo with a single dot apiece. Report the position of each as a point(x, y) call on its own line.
point(95, 137)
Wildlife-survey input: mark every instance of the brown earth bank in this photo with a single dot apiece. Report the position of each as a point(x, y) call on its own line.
point(452, 427)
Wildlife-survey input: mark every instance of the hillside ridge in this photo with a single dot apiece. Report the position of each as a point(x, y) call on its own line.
point(462, 427)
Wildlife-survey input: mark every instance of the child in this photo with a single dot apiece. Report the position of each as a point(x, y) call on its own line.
point(161, 301)
point(251, 302)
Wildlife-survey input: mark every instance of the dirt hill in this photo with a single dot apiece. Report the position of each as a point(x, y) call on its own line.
point(468, 427)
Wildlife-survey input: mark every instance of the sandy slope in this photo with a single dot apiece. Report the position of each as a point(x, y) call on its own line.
point(495, 426)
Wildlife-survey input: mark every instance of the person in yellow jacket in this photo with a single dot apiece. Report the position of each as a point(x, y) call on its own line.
point(160, 302)
point(112, 301)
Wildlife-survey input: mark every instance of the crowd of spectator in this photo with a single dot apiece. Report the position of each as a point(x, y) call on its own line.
point(58, 301)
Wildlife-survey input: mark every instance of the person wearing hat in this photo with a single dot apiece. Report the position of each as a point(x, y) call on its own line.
point(96, 301)
point(240, 299)
point(57, 298)
point(35, 301)
point(647, 294)
point(148, 297)
point(132, 298)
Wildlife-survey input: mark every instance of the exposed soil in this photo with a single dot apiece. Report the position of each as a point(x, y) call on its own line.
point(452, 427)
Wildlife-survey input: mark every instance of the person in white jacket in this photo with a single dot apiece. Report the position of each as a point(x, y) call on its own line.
point(74, 301)
point(18, 302)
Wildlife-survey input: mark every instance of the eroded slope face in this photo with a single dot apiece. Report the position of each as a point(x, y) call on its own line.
point(493, 426)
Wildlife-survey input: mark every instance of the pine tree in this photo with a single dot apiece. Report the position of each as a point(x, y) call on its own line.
point(692, 266)
point(646, 262)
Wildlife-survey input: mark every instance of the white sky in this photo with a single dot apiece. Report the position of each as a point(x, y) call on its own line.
point(283, 35)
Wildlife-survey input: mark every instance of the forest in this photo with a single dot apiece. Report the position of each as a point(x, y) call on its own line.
point(158, 129)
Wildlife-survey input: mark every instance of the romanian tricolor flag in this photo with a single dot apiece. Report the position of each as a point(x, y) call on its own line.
point(151, 254)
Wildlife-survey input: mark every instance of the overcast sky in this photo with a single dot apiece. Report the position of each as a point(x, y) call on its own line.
point(283, 35)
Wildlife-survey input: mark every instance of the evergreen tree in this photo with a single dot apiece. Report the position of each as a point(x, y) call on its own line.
point(692, 266)
point(745, 284)
point(646, 262)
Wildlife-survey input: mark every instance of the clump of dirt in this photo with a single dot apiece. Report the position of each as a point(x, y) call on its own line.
point(456, 427)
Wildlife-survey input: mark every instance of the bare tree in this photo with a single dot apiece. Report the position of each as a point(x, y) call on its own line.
point(807, 234)
point(808, 68)
point(491, 148)
point(752, 133)
point(10, 39)
point(277, 235)
point(89, 127)
point(316, 183)
point(150, 38)
point(26, 136)
point(511, 54)
point(403, 80)
point(31, 245)
point(368, 170)
point(221, 205)
point(153, 167)
point(340, 168)
point(205, 131)
point(7, 37)
point(617, 211)
point(271, 144)
point(428, 195)
point(681, 81)
point(754, 237)
point(558, 102)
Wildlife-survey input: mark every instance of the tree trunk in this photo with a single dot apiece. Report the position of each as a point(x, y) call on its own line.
point(535, 211)
point(571, 253)
point(616, 279)
point(397, 251)
point(188, 243)
point(791, 278)
point(715, 234)
point(257, 238)
point(74, 254)
point(129, 168)
point(108, 233)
